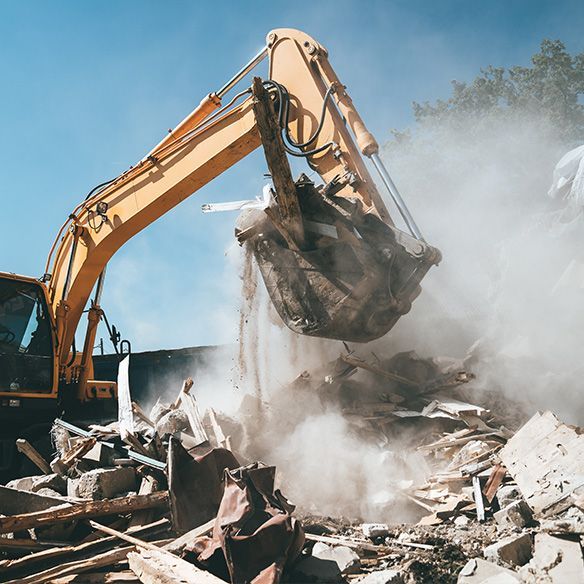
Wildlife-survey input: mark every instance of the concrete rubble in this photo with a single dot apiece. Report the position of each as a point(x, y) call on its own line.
point(177, 498)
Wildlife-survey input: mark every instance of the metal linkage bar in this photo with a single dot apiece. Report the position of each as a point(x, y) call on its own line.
point(397, 199)
point(243, 72)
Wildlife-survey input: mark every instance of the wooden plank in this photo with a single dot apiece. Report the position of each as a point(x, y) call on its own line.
point(125, 414)
point(139, 413)
point(186, 388)
point(288, 207)
point(493, 483)
point(28, 545)
point(350, 543)
point(65, 513)
point(220, 438)
point(121, 577)
point(82, 447)
point(125, 536)
point(26, 448)
point(356, 362)
point(156, 567)
point(188, 403)
point(478, 498)
point(77, 567)
point(176, 546)
point(47, 558)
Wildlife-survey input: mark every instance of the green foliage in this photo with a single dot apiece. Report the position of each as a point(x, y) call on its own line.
point(552, 88)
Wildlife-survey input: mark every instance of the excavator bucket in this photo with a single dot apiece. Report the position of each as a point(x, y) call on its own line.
point(355, 275)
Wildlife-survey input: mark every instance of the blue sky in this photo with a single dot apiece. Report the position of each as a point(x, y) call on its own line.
point(89, 87)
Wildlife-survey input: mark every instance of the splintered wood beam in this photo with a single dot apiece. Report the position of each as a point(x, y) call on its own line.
point(177, 546)
point(50, 558)
point(81, 448)
point(108, 558)
point(157, 567)
point(27, 545)
point(288, 208)
point(154, 565)
point(64, 513)
point(26, 448)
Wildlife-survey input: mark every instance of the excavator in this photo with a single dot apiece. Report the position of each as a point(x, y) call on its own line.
point(333, 261)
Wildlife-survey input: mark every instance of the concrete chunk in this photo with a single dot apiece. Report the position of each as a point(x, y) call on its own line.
point(103, 483)
point(546, 458)
point(555, 561)
point(52, 481)
point(513, 550)
point(15, 502)
point(345, 558)
point(507, 494)
point(572, 521)
point(172, 422)
point(516, 514)
point(22, 484)
point(374, 529)
point(479, 571)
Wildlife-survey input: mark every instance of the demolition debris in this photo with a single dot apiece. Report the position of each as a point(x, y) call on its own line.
point(171, 496)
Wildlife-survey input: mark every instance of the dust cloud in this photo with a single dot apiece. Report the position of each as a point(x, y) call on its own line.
point(500, 298)
point(505, 293)
point(323, 461)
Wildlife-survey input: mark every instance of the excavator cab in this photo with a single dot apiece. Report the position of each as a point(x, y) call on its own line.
point(27, 360)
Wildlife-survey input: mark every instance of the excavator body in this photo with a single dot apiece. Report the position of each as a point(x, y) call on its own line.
point(334, 263)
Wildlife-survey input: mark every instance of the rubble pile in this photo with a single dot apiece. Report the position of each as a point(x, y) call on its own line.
point(173, 496)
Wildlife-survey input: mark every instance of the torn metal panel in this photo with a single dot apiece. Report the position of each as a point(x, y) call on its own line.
point(125, 414)
point(15, 502)
point(195, 484)
point(254, 536)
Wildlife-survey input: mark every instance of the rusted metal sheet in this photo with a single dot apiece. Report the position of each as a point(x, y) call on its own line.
point(255, 537)
point(195, 484)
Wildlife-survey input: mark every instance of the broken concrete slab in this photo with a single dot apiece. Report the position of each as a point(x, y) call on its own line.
point(479, 571)
point(35, 483)
point(46, 492)
point(103, 483)
point(172, 422)
point(22, 484)
point(545, 458)
point(345, 558)
point(512, 550)
point(572, 521)
point(516, 514)
point(50, 481)
point(556, 560)
point(507, 494)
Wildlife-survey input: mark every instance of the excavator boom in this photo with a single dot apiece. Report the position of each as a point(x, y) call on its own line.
point(333, 261)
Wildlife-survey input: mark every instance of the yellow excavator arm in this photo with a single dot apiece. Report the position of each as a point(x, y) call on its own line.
point(318, 121)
